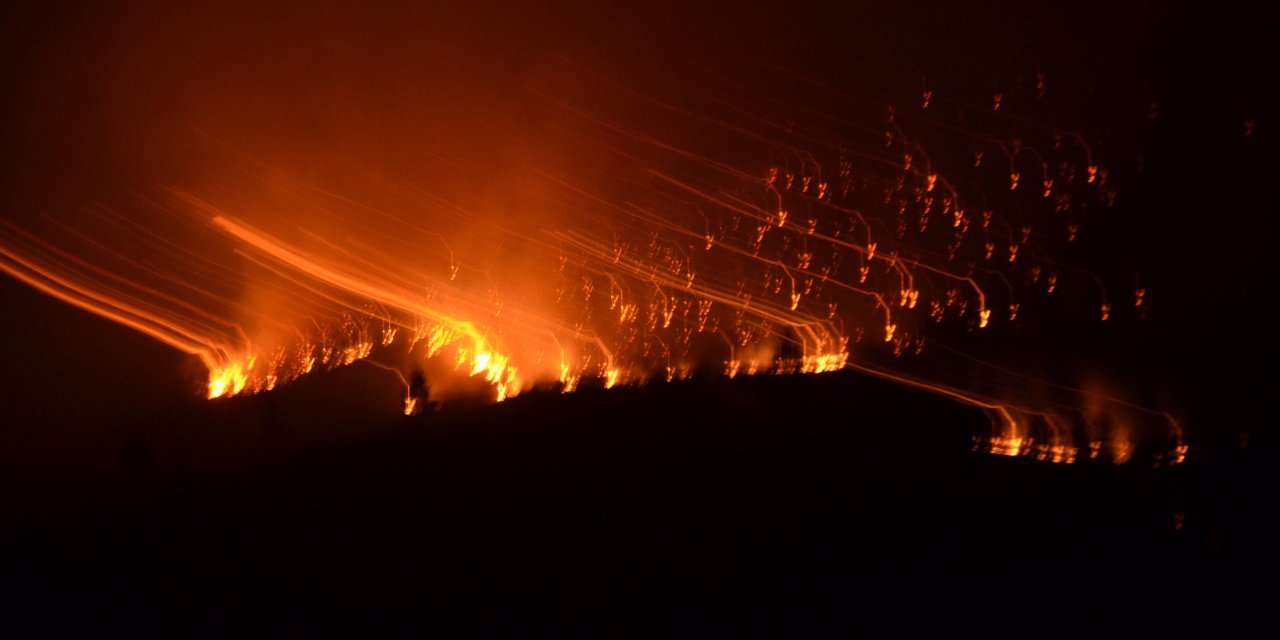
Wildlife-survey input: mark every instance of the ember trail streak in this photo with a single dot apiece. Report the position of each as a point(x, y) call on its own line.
point(737, 233)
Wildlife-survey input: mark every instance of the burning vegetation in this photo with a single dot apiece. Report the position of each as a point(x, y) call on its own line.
point(566, 227)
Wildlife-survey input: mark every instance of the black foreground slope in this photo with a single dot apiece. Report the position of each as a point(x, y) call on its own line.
point(821, 503)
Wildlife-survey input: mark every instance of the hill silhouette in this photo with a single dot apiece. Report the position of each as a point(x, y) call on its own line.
point(765, 504)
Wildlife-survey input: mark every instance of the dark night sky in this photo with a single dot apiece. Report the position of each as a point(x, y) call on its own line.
point(95, 94)
point(765, 505)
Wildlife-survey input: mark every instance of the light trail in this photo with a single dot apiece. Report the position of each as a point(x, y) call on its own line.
point(725, 227)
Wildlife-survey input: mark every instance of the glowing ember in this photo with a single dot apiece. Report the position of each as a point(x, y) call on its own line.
point(759, 237)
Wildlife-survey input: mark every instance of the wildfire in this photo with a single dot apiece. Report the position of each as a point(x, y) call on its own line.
point(649, 257)
point(229, 380)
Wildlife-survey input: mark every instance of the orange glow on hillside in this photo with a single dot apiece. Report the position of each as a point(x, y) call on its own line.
point(624, 236)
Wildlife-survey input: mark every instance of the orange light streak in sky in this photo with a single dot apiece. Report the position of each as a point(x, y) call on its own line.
point(733, 231)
